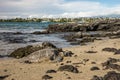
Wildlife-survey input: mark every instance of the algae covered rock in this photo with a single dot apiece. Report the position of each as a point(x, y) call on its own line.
point(25, 51)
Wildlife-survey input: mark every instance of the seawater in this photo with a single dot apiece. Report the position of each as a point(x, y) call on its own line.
point(24, 27)
point(6, 29)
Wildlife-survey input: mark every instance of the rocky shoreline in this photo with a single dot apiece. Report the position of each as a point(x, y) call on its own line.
point(97, 61)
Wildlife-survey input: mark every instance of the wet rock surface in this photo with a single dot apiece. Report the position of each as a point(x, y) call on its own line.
point(68, 68)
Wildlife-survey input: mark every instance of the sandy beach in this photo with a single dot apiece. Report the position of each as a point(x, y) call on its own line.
point(17, 70)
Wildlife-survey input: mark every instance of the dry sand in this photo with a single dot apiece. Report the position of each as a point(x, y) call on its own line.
point(22, 71)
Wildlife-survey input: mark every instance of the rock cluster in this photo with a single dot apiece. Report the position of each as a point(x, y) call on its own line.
point(95, 26)
point(112, 75)
point(110, 64)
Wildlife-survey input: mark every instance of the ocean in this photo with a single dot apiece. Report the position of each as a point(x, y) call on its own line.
point(9, 41)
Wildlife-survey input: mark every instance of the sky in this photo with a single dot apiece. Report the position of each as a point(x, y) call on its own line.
point(58, 8)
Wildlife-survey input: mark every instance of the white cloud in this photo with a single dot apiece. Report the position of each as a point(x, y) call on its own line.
point(54, 8)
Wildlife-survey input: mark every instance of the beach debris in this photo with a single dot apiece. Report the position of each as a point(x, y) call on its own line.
point(46, 77)
point(68, 68)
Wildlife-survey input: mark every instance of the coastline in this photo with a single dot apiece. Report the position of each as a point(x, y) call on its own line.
point(22, 71)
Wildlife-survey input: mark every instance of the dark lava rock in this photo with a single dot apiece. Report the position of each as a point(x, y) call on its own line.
point(68, 53)
point(110, 49)
point(117, 52)
point(109, 64)
point(3, 77)
point(46, 77)
point(91, 52)
point(51, 71)
point(68, 68)
point(48, 44)
point(94, 68)
point(111, 75)
point(97, 78)
point(66, 27)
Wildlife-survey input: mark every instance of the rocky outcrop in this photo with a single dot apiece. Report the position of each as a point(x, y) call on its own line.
point(105, 25)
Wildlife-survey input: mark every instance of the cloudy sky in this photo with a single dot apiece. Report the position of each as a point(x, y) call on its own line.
point(58, 8)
